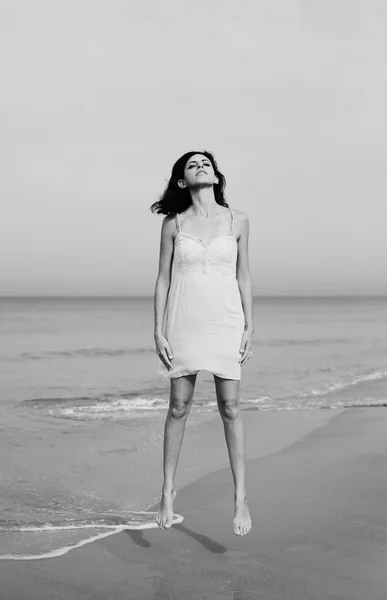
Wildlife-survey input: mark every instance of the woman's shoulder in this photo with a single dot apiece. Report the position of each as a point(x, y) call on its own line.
point(168, 225)
point(241, 223)
point(169, 218)
point(240, 214)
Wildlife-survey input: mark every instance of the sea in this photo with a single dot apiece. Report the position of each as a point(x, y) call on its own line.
point(82, 408)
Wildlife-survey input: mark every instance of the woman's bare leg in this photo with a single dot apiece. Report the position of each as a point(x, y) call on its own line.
point(181, 395)
point(227, 395)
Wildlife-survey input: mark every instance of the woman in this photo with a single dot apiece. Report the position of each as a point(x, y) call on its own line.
point(203, 313)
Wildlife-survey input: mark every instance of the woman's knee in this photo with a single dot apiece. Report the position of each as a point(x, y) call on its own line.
point(229, 409)
point(181, 395)
point(179, 409)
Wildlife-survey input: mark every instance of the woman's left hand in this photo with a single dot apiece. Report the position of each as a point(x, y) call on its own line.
point(245, 347)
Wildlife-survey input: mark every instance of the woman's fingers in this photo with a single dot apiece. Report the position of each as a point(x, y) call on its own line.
point(165, 355)
point(164, 358)
point(169, 363)
point(169, 355)
point(245, 356)
point(243, 351)
point(243, 359)
point(169, 351)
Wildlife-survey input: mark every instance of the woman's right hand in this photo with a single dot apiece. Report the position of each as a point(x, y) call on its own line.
point(163, 350)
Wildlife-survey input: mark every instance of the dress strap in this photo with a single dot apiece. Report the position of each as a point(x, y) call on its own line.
point(177, 221)
point(232, 221)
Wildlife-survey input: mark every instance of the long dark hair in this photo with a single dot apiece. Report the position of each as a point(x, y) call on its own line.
point(176, 200)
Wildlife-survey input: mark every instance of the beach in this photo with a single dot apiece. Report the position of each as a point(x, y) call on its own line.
point(316, 483)
point(82, 415)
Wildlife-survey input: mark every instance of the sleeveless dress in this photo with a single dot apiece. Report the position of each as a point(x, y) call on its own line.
point(204, 319)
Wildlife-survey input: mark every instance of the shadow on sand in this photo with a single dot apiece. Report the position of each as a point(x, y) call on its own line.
point(137, 537)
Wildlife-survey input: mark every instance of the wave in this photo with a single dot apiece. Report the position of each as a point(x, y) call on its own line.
point(103, 410)
point(348, 383)
point(43, 534)
point(293, 404)
point(306, 342)
point(326, 397)
point(85, 353)
point(100, 407)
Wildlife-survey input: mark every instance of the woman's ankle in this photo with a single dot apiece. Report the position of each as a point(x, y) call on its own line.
point(240, 496)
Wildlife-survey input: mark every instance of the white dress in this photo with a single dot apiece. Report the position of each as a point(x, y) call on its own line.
point(204, 319)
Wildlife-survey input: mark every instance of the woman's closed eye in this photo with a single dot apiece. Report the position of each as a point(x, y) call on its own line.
point(190, 166)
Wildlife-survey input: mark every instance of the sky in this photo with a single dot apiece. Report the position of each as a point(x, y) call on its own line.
point(99, 99)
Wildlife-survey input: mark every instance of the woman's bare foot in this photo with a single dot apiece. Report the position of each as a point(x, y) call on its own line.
point(242, 520)
point(165, 514)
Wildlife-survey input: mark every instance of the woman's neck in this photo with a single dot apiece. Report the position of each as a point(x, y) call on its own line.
point(203, 202)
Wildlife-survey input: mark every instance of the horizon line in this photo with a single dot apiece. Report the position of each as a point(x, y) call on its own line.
point(384, 295)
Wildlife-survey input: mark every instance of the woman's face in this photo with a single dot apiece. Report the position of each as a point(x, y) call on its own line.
point(199, 171)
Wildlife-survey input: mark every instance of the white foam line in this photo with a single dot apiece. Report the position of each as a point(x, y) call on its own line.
point(90, 525)
point(61, 551)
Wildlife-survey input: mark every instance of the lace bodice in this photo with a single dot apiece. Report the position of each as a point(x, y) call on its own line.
point(192, 255)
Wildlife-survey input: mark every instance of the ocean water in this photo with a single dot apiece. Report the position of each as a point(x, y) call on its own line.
point(82, 408)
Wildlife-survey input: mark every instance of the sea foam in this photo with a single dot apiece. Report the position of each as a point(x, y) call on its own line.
point(25, 542)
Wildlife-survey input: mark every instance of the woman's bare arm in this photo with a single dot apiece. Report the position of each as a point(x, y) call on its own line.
point(164, 275)
point(243, 271)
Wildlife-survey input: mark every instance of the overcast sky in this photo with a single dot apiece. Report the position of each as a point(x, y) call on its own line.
point(99, 99)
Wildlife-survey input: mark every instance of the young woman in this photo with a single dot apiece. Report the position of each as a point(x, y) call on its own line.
point(203, 313)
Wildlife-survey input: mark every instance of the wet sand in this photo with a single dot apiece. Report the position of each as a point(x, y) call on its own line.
point(319, 507)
